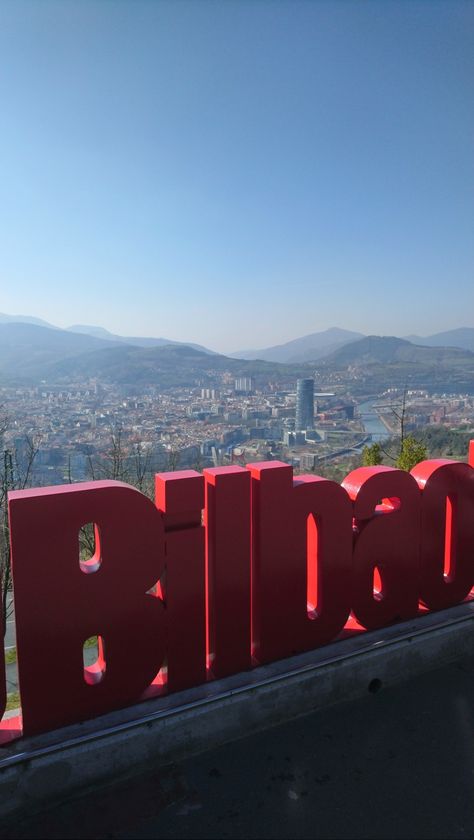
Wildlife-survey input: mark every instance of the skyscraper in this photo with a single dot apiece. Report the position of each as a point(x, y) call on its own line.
point(304, 404)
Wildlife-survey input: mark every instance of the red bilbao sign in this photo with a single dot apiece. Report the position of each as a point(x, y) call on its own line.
point(274, 567)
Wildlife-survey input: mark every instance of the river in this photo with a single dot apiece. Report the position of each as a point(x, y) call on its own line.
point(372, 423)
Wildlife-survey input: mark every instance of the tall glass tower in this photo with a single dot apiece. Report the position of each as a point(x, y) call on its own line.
point(304, 404)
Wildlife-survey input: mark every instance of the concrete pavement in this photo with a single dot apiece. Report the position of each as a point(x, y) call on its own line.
point(397, 763)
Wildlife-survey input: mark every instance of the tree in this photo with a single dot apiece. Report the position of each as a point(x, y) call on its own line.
point(337, 471)
point(174, 457)
point(400, 412)
point(198, 460)
point(411, 453)
point(372, 455)
point(141, 465)
point(130, 464)
point(114, 463)
point(15, 474)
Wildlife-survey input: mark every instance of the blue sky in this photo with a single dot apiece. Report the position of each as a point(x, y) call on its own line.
point(238, 173)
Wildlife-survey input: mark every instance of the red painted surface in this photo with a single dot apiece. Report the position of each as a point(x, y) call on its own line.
point(301, 544)
point(3, 683)
point(58, 605)
point(227, 519)
point(322, 539)
point(273, 566)
point(470, 459)
point(386, 542)
point(180, 500)
point(447, 532)
point(272, 484)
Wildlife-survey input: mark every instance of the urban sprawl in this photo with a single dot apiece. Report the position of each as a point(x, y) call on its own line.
point(95, 430)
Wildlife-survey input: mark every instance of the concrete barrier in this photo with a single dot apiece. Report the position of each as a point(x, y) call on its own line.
point(34, 771)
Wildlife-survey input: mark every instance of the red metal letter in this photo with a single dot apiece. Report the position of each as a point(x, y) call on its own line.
point(470, 457)
point(3, 682)
point(297, 529)
point(228, 569)
point(322, 538)
point(387, 520)
point(447, 531)
point(180, 499)
point(60, 602)
point(10, 728)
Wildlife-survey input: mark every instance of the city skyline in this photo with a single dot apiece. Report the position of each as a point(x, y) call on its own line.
point(238, 175)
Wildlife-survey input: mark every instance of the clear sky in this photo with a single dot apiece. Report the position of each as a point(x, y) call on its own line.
point(238, 173)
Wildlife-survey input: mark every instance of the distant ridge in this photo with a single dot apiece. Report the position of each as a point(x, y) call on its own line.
point(386, 350)
point(25, 319)
point(98, 332)
point(462, 337)
point(320, 345)
point(26, 349)
point(125, 364)
point(308, 348)
point(137, 341)
point(32, 353)
point(33, 349)
point(377, 362)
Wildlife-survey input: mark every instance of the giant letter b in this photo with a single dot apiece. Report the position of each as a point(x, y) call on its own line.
point(60, 602)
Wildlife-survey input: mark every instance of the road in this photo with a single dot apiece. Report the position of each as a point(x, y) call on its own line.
point(11, 669)
point(10, 634)
point(395, 764)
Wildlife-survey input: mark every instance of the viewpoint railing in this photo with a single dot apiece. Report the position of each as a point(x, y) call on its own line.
point(228, 570)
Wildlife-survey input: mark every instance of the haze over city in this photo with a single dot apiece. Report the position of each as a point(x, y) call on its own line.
point(238, 174)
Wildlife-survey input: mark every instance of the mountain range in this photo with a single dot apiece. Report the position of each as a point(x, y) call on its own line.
point(308, 348)
point(98, 332)
point(389, 350)
point(462, 337)
point(32, 352)
point(320, 344)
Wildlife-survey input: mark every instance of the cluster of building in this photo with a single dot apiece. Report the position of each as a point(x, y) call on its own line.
point(93, 430)
point(423, 409)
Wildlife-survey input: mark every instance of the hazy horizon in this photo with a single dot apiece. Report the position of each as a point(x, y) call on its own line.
point(238, 175)
point(248, 348)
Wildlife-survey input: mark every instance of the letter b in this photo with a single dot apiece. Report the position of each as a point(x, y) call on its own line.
point(61, 602)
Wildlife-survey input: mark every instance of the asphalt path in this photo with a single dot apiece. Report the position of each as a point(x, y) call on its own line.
point(398, 763)
point(10, 634)
point(9, 640)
